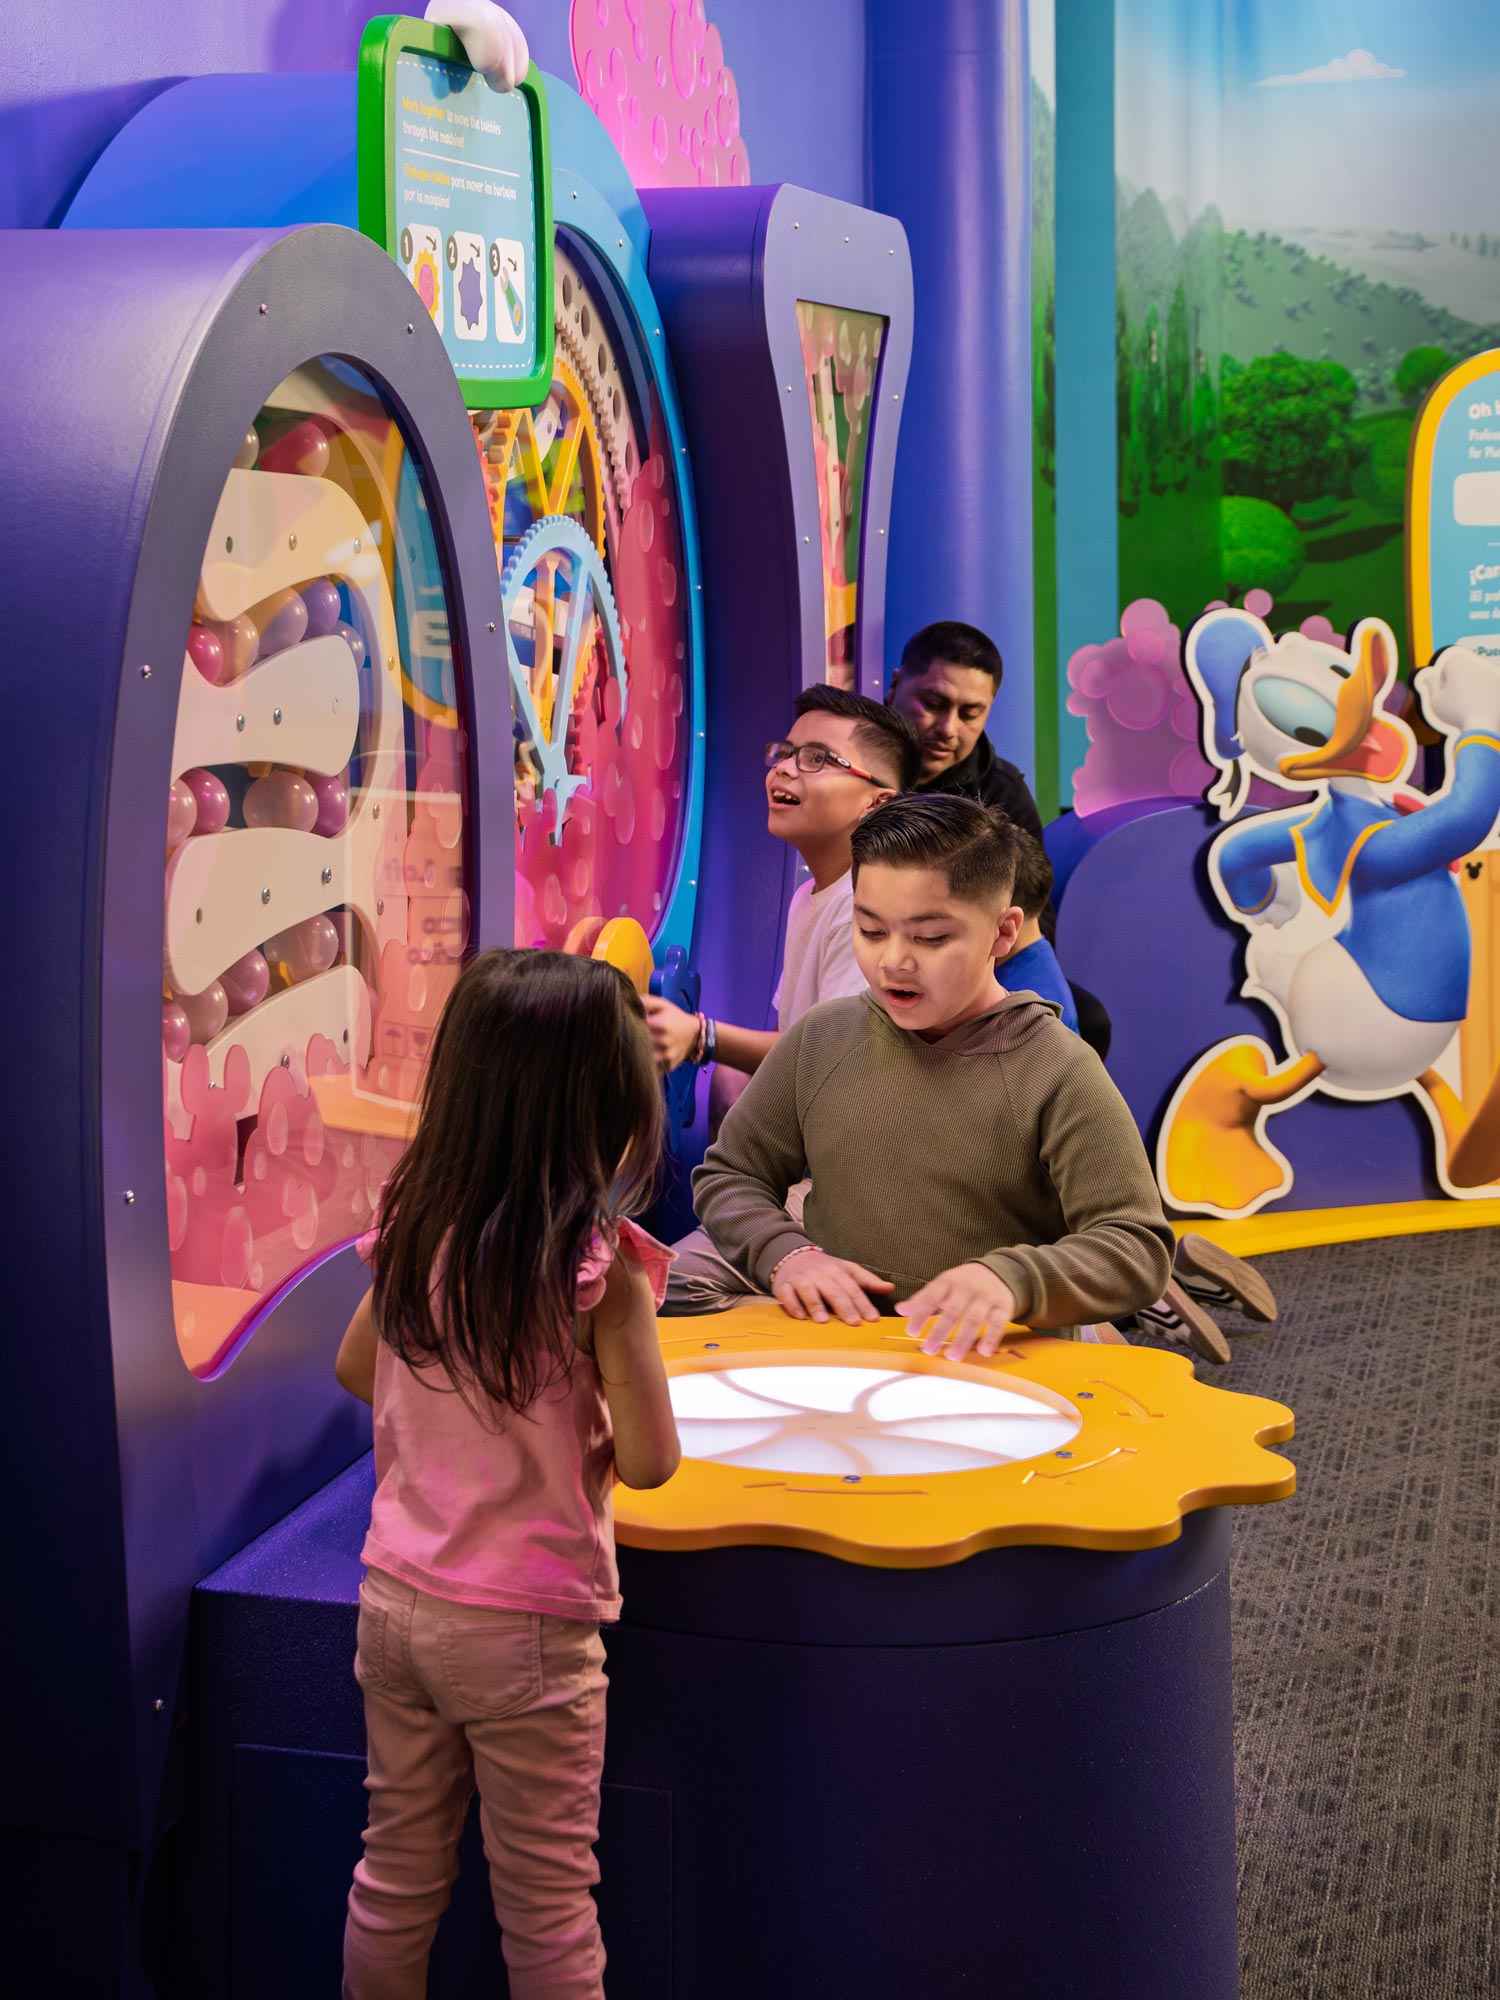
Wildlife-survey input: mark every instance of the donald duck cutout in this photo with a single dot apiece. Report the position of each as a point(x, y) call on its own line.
point(1359, 938)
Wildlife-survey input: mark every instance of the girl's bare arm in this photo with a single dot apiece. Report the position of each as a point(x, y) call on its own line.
point(355, 1366)
point(628, 1355)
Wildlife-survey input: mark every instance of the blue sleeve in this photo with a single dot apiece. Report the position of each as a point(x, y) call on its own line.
point(1445, 831)
point(1246, 857)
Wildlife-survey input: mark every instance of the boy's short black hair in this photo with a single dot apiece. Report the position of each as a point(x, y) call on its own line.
point(962, 645)
point(976, 847)
point(1033, 875)
point(886, 737)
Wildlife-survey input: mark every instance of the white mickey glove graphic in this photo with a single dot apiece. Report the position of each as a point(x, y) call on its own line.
point(493, 40)
point(1460, 693)
point(1287, 900)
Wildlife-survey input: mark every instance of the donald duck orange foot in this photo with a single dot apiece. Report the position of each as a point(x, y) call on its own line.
point(1214, 1153)
point(1216, 1158)
point(1358, 935)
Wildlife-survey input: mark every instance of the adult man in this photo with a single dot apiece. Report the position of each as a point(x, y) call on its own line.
point(945, 686)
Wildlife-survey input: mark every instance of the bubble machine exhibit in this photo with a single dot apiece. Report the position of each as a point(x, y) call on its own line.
point(267, 492)
point(410, 586)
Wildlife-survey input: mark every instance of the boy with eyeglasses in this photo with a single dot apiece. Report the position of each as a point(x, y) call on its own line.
point(843, 755)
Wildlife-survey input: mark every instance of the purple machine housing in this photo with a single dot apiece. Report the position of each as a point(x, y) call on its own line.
point(129, 386)
point(729, 268)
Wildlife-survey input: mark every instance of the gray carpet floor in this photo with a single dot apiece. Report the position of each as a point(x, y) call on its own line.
point(1367, 1628)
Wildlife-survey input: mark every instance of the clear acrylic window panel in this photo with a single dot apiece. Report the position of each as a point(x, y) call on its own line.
point(855, 1422)
point(841, 362)
point(316, 911)
point(591, 455)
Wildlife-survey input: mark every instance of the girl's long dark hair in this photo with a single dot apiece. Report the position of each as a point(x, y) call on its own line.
point(541, 1121)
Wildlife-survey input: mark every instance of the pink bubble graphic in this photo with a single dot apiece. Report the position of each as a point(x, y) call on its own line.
point(654, 72)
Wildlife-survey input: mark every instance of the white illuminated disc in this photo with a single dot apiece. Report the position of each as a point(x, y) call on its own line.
point(863, 1422)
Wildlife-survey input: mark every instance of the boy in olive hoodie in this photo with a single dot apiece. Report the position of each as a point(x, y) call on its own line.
point(970, 1160)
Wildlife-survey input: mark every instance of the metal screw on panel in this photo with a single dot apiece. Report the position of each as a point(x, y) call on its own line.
point(377, 812)
point(239, 722)
point(356, 544)
point(846, 239)
point(265, 895)
point(1085, 1395)
point(130, 1197)
point(492, 624)
point(890, 253)
point(158, 1706)
point(657, 331)
point(619, 242)
point(197, 916)
point(807, 538)
point(145, 673)
point(291, 541)
point(264, 309)
point(1062, 1454)
point(789, 388)
point(409, 327)
point(895, 395)
point(710, 1345)
point(327, 876)
point(880, 531)
point(276, 715)
point(851, 1478)
point(229, 545)
point(575, 194)
point(286, 1062)
point(796, 225)
point(380, 906)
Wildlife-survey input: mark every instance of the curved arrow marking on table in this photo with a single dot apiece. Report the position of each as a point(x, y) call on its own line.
point(1140, 1412)
point(1072, 1471)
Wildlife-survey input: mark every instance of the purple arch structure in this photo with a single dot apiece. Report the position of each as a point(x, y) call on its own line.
point(128, 387)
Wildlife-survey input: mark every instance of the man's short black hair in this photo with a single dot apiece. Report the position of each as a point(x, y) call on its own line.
point(1033, 875)
point(959, 644)
point(976, 847)
point(890, 743)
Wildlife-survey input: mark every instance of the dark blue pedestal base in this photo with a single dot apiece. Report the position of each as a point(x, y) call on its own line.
point(1011, 1775)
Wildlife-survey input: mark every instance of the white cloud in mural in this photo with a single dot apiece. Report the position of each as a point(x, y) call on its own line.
point(1359, 66)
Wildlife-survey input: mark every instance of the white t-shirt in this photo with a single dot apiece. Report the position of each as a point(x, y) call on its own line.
point(819, 962)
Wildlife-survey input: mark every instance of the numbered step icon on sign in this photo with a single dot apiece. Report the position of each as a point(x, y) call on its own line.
point(466, 260)
point(508, 269)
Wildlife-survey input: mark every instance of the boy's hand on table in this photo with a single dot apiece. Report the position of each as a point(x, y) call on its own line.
point(967, 1304)
point(812, 1284)
point(674, 1032)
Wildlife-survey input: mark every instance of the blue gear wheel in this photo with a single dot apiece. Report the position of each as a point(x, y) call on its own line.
point(556, 534)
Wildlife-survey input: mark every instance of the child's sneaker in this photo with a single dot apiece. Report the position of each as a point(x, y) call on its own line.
point(1216, 1277)
point(1179, 1318)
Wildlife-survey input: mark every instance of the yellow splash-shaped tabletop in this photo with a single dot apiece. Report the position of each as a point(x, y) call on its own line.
point(851, 1441)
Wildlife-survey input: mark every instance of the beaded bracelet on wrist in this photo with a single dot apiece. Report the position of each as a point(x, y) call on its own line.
point(800, 1250)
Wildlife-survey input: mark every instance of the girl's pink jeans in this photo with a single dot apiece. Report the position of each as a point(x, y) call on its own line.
point(512, 1702)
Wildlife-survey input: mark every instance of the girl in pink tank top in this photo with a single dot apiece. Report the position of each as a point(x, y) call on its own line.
point(509, 1348)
